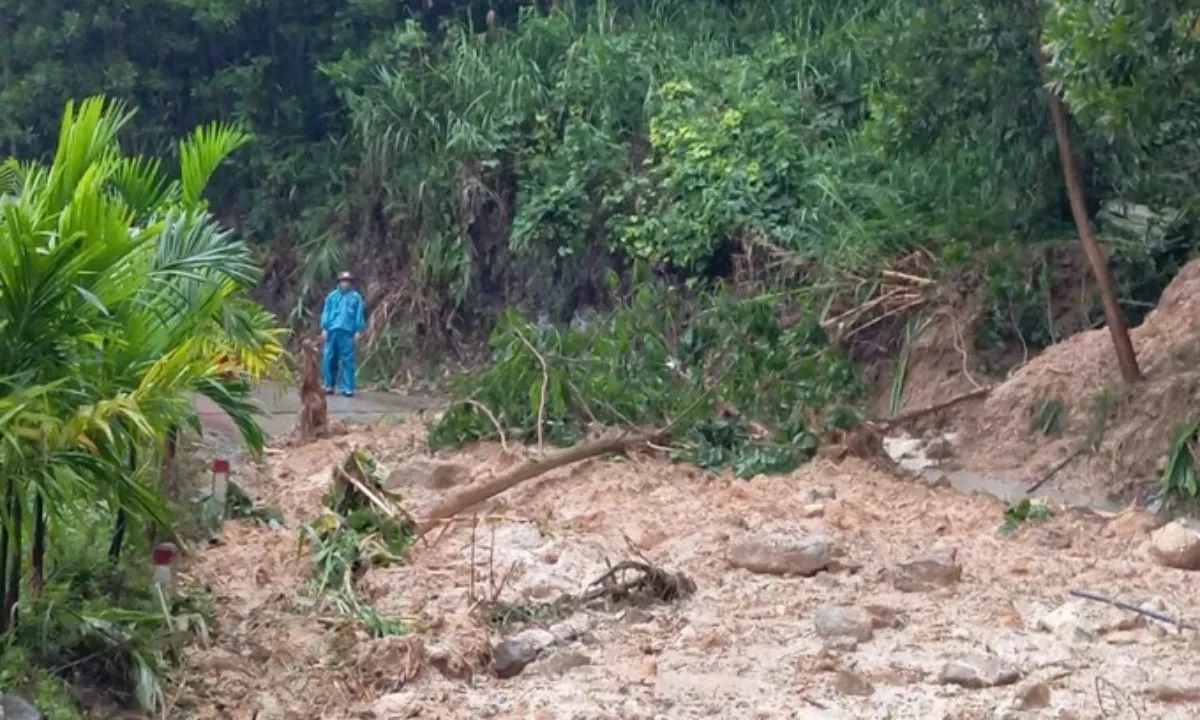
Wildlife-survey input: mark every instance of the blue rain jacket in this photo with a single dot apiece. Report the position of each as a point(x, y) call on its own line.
point(344, 311)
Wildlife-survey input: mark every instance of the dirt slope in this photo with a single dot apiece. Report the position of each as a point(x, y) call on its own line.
point(1134, 424)
point(744, 645)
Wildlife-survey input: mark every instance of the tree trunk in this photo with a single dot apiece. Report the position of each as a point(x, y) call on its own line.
point(170, 450)
point(4, 569)
point(314, 417)
point(13, 594)
point(118, 538)
point(1126, 357)
point(37, 558)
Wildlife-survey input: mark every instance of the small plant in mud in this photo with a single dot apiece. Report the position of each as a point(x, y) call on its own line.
point(363, 526)
point(240, 506)
point(739, 387)
point(504, 616)
point(1049, 417)
point(1024, 512)
point(1179, 488)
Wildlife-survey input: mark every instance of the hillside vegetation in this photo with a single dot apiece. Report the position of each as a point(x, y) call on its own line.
point(468, 156)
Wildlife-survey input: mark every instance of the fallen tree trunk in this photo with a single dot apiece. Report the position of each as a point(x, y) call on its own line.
point(478, 492)
point(911, 415)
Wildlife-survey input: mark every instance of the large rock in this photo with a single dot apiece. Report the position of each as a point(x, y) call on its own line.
point(1083, 621)
point(780, 553)
point(844, 622)
point(937, 569)
point(1177, 544)
point(977, 671)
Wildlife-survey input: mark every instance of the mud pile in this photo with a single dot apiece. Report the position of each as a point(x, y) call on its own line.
point(1134, 424)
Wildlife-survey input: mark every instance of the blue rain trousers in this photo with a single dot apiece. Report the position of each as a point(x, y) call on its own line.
point(339, 362)
point(343, 316)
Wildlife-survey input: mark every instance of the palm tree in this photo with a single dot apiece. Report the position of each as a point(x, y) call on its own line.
point(120, 295)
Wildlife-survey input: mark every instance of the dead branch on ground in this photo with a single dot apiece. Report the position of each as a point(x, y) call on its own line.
point(1055, 470)
point(478, 492)
point(649, 584)
point(1086, 595)
point(911, 415)
point(491, 416)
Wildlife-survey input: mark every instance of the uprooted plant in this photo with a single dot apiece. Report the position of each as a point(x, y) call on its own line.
point(736, 386)
point(363, 527)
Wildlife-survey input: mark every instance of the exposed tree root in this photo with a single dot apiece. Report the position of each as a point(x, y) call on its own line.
point(648, 584)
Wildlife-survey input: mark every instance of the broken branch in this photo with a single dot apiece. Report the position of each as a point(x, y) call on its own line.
point(477, 493)
point(545, 388)
point(1084, 594)
point(936, 407)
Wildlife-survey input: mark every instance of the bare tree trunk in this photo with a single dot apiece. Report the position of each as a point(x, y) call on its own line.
point(122, 523)
point(170, 450)
point(118, 538)
point(37, 558)
point(13, 594)
point(1126, 357)
point(314, 418)
point(5, 525)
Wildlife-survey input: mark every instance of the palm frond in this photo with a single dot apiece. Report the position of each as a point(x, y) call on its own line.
point(201, 154)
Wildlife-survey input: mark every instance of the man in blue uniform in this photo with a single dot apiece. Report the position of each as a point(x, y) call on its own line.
point(342, 322)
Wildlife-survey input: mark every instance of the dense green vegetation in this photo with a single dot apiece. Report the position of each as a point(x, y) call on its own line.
point(468, 156)
point(120, 298)
point(736, 388)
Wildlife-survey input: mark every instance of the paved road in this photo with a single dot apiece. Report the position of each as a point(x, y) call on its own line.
point(282, 405)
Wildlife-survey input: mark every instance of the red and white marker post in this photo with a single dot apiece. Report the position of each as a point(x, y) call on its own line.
point(164, 555)
point(220, 485)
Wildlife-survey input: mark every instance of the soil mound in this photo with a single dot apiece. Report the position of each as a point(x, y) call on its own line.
point(1072, 395)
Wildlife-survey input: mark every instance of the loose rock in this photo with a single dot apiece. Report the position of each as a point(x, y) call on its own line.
point(937, 569)
point(813, 510)
point(511, 655)
point(821, 494)
point(849, 683)
point(977, 671)
point(562, 662)
point(396, 705)
point(1083, 621)
point(782, 554)
point(838, 622)
point(1177, 544)
point(1033, 696)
